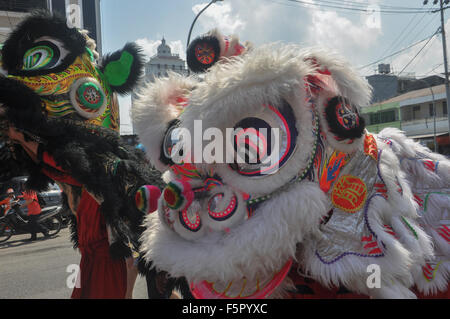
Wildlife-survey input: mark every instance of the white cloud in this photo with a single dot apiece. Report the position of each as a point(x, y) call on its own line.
point(268, 21)
point(430, 58)
point(178, 48)
point(150, 47)
point(219, 15)
point(351, 38)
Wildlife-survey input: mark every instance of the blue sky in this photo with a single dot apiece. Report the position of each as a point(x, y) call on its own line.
point(360, 37)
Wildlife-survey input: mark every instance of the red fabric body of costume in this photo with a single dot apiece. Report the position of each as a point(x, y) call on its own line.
point(101, 277)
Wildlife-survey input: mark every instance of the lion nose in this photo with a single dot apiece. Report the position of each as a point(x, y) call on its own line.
point(178, 195)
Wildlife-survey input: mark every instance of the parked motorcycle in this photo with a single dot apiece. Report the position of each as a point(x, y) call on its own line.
point(13, 222)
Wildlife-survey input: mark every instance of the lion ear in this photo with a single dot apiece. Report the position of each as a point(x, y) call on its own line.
point(124, 68)
point(205, 51)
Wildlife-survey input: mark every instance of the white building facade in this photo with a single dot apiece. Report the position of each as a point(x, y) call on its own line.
point(162, 62)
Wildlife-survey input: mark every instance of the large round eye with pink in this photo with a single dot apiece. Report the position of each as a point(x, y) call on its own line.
point(264, 143)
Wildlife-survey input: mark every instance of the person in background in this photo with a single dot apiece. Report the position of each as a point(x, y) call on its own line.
point(32, 203)
point(6, 203)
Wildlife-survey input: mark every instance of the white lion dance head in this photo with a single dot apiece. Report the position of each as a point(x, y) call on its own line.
point(313, 195)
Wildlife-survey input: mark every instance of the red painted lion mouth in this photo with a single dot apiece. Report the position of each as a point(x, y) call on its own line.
point(242, 288)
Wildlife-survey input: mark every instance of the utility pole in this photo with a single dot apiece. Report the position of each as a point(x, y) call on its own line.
point(444, 45)
point(444, 48)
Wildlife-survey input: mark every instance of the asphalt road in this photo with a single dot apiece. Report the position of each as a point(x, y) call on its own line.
point(39, 269)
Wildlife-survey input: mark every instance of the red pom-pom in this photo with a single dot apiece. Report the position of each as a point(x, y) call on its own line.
point(147, 198)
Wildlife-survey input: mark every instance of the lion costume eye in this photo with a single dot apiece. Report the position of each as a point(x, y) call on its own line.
point(170, 152)
point(44, 55)
point(263, 144)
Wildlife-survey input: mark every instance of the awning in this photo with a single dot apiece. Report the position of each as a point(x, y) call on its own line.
point(427, 135)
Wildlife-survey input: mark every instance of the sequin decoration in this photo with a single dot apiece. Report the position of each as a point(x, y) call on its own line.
point(370, 147)
point(204, 53)
point(331, 169)
point(349, 193)
point(346, 115)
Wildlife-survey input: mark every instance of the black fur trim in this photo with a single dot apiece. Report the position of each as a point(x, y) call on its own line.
point(149, 272)
point(136, 71)
point(343, 118)
point(73, 230)
point(38, 24)
point(24, 107)
point(193, 63)
point(119, 250)
point(13, 161)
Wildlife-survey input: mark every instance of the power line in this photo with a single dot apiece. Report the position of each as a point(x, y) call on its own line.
point(364, 5)
point(434, 68)
point(397, 52)
point(416, 35)
point(410, 61)
point(395, 43)
point(360, 9)
point(424, 54)
point(421, 49)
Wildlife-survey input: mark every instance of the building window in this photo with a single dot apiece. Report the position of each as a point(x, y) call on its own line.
point(388, 116)
point(382, 117)
point(416, 109)
point(159, 66)
point(374, 118)
point(444, 108)
point(431, 109)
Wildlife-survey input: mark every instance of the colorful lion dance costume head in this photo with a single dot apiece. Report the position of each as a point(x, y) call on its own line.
point(335, 201)
point(56, 94)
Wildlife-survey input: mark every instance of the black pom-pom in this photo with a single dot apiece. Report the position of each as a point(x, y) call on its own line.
point(203, 53)
point(343, 118)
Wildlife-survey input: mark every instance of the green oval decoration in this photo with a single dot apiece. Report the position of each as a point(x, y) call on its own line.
point(90, 95)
